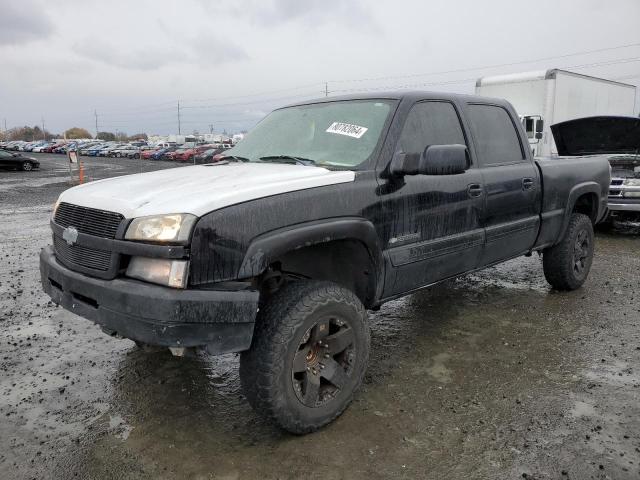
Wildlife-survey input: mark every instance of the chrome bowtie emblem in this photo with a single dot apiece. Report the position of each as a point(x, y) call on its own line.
point(70, 235)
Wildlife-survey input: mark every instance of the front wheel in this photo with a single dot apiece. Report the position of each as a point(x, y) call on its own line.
point(27, 166)
point(567, 264)
point(308, 357)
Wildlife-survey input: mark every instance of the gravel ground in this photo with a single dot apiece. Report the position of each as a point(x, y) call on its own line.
point(493, 375)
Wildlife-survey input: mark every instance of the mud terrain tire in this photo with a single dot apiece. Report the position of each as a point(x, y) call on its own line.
point(308, 357)
point(567, 264)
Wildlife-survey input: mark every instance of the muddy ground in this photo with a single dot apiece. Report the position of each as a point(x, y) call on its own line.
point(491, 376)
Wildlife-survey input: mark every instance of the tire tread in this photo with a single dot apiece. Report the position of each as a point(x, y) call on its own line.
point(262, 365)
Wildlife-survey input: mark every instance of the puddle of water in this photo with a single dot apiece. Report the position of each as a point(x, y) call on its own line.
point(119, 427)
point(582, 409)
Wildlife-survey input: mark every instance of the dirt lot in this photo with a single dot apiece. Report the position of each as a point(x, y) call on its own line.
point(490, 376)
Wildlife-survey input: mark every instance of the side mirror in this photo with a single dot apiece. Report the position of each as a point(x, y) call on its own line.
point(444, 160)
point(435, 160)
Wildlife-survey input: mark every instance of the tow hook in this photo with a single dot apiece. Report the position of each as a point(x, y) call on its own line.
point(183, 351)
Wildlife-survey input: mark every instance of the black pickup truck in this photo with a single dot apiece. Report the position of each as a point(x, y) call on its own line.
point(326, 209)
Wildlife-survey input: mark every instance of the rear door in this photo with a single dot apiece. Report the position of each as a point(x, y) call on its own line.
point(511, 183)
point(434, 221)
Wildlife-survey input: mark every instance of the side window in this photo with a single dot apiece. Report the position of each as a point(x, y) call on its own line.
point(528, 126)
point(495, 134)
point(430, 123)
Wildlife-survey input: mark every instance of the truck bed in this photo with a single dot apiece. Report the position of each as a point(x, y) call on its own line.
point(564, 180)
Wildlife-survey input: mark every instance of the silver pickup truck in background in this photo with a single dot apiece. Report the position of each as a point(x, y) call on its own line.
point(619, 137)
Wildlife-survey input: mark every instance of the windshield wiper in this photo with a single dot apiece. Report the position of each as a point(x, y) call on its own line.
point(234, 157)
point(298, 160)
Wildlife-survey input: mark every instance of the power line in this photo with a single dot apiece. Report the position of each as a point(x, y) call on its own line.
point(473, 79)
point(300, 87)
point(252, 102)
point(499, 65)
point(145, 108)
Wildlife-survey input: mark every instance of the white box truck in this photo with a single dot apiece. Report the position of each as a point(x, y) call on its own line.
point(546, 97)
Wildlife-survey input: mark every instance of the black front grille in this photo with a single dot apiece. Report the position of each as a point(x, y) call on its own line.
point(80, 255)
point(617, 181)
point(91, 221)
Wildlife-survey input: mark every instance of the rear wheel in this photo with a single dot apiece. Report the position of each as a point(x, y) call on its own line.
point(308, 357)
point(27, 166)
point(567, 264)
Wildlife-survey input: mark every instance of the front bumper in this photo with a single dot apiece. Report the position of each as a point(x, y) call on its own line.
point(626, 205)
point(221, 320)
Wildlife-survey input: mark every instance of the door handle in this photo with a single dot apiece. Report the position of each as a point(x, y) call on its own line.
point(474, 190)
point(527, 183)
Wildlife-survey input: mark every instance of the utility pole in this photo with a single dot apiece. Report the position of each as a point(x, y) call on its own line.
point(44, 136)
point(211, 128)
point(95, 112)
point(326, 89)
point(178, 117)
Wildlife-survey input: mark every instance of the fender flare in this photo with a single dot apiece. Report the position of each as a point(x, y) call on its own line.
point(265, 248)
point(575, 193)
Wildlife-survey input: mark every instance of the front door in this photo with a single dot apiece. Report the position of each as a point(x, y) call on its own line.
point(434, 221)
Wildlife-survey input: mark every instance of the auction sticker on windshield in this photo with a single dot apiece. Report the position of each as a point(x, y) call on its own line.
point(347, 129)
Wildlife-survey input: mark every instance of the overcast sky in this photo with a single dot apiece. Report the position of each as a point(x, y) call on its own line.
point(229, 62)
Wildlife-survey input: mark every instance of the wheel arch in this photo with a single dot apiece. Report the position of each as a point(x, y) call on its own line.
point(345, 250)
point(583, 198)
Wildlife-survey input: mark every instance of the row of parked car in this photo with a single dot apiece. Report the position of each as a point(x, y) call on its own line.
point(40, 146)
point(204, 153)
point(197, 153)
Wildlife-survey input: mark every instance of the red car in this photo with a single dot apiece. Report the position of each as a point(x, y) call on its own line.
point(146, 154)
point(49, 148)
point(188, 154)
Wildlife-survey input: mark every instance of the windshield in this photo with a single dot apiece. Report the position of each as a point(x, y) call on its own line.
point(340, 134)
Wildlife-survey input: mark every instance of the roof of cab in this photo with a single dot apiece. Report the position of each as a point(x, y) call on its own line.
point(407, 95)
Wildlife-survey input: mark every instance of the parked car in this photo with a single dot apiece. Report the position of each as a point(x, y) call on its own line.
point(49, 148)
point(187, 154)
point(17, 161)
point(95, 151)
point(15, 145)
point(132, 151)
point(84, 149)
point(61, 148)
point(147, 154)
point(116, 151)
point(278, 251)
point(208, 155)
point(33, 145)
point(165, 153)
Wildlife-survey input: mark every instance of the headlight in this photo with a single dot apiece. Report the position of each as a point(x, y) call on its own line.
point(633, 182)
point(55, 208)
point(161, 228)
point(171, 273)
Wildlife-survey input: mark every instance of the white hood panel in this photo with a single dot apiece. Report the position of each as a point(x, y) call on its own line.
point(199, 189)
